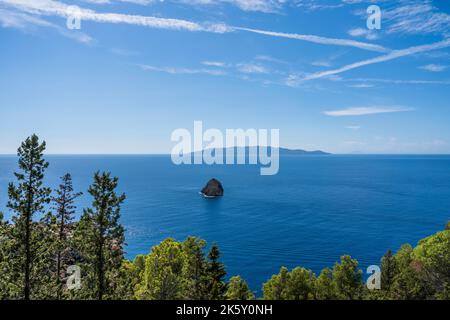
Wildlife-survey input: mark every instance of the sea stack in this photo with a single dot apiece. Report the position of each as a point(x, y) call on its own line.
point(212, 189)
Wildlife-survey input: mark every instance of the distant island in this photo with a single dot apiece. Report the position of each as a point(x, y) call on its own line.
point(285, 151)
point(267, 157)
point(282, 151)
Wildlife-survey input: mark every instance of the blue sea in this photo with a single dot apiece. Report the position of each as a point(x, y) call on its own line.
point(315, 210)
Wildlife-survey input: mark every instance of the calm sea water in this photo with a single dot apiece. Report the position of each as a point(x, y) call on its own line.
point(315, 210)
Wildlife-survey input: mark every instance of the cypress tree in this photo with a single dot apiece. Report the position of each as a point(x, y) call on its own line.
point(26, 200)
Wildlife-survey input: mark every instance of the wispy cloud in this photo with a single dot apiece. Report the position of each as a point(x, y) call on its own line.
point(267, 58)
point(353, 127)
point(369, 81)
point(387, 57)
point(364, 33)
point(321, 63)
point(433, 67)
point(293, 80)
point(11, 19)
point(139, 2)
point(361, 85)
point(267, 6)
point(319, 39)
point(362, 111)
point(218, 64)
point(28, 23)
point(416, 17)
point(313, 5)
point(55, 8)
point(251, 68)
point(172, 70)
point(410, 17)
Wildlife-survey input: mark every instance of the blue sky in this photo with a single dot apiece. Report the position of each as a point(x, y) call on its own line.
point(139, 69)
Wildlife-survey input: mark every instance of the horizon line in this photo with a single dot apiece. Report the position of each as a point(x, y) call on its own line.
point(168, 154)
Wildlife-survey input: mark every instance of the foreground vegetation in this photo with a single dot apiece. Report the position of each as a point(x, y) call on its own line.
point(38, 246)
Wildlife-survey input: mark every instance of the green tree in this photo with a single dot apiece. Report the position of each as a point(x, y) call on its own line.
point(295, 285)
point(100, 237)
point(300, 285)
point(179, 270)
point(130, 276)
point(195, 266)
point(433, 258)
point(347, 279)
point(274, 288)
point(163, 277)
point(324, 286)
point(27, 199)
point(407, 284)
point(63, 224)
point(216, 273)
point(5, 269)
point(238, 290)
point(388, 271)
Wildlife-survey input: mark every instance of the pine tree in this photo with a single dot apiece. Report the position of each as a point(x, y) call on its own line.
point(238, 290)
point(63, 221)
point(4, 263)
point(275, 287)
point(163, 276)
point(216, 273)
point(100, 237)
point(347, 279)
point(324, 285)
point(26, 200)
point(388, 270)
point(195, 269)
point(408, 283)
point(300, 285)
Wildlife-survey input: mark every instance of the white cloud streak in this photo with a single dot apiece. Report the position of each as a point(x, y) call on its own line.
point(172, 70)
point(361, 85)
point(416, 17)
point(387, 57)
point(433, 67)
point(217, 64)
point(361, 32)
point(319, 39)
point(27, 22)
point(266, 6)
point(400, 81)
point(362, 111)
point(55, 8)
point(353, 127)
point(251, 68)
